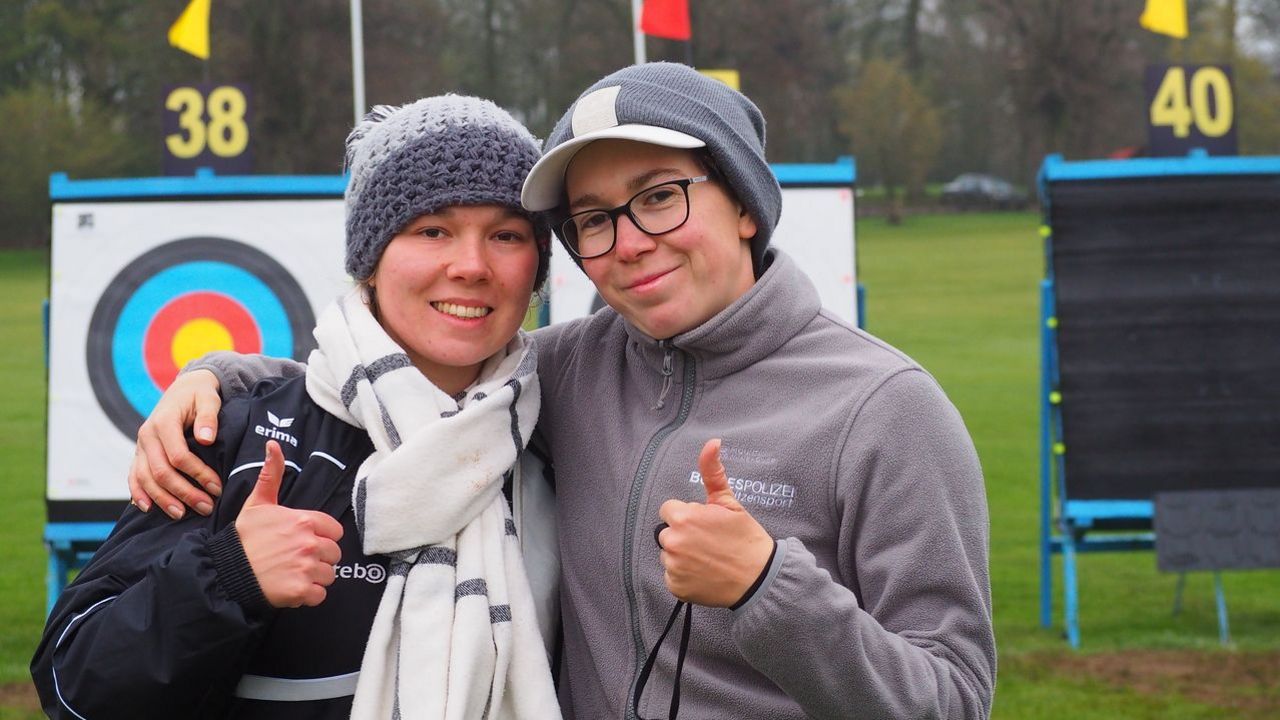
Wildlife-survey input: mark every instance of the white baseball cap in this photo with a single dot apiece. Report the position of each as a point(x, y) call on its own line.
point(594, 118)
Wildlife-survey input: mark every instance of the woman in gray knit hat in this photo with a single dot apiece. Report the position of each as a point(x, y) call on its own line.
point(324, 584)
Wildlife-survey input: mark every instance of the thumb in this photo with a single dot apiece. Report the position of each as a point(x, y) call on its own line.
point(714, 478)
point(206, 424)
point(267, 489)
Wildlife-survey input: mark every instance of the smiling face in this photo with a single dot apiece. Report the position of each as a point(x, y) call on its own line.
point(453, 286)
point(670, 283)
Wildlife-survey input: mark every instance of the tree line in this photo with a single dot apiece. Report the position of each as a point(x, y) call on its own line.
point(917, 90)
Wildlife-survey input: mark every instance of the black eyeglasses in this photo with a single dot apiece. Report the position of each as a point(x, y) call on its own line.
point(655, 210)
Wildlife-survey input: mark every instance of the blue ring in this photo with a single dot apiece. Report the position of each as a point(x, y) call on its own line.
point(127, 350)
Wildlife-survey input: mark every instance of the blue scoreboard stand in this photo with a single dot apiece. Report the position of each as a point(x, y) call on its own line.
point(1129, 241)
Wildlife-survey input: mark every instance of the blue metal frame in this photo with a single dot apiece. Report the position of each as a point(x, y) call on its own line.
point(844, 171)
point(1220, 600)
point(70, 546)
point(205, 184)
point(1196, 162)
point(1048, 381)
point(1065, 524)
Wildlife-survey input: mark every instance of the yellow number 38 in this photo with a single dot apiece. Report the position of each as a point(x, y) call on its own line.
point(225, 134)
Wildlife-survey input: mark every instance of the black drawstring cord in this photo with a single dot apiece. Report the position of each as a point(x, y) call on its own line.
point(684, 635)
point(653, 654)
point(653, 657)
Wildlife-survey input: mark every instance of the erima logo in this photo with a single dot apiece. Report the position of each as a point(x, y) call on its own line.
point(274, 432)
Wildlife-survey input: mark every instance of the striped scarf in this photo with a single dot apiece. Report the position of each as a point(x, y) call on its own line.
point(455, 635)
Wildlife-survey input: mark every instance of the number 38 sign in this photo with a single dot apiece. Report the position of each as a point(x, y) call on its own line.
point(1190, 106)
point(207, 126)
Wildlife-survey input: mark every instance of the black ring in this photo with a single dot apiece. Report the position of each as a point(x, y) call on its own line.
point(100, 348)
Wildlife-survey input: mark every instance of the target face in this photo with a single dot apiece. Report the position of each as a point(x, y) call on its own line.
point(179, 301)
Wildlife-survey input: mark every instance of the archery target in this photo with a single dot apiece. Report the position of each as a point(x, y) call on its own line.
point(180, 301)
point(140, 286)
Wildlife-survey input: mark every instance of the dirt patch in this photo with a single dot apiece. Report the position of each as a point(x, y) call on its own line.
point(19, 696)
point(1246, 682)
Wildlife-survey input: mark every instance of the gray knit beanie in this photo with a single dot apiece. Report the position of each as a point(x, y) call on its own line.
point(676, 106)
point(428, 155)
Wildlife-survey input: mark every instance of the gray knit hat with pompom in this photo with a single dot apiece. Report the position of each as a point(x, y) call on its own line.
point(428, 155)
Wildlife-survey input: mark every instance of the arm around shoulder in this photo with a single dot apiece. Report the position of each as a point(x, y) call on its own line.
point(238, 373)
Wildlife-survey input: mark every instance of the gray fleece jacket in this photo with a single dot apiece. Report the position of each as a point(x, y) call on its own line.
point(877, 603)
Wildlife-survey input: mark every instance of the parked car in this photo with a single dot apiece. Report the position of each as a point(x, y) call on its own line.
point(975, 190)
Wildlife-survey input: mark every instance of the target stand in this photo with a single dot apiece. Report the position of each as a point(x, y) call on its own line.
point(147, 274)
point(1159, 318)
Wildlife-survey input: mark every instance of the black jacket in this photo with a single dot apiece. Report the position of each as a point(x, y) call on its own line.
point(168, 616)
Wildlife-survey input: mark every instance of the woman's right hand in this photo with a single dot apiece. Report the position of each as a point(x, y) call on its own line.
point(292, 552)
point(162, 454)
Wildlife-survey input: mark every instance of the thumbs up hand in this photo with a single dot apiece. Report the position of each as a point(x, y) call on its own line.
point(292, 552)
point(714, 478)
point(712, 552)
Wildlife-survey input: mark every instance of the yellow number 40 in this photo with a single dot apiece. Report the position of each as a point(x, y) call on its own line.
point(226, 133)
point(1173, 108)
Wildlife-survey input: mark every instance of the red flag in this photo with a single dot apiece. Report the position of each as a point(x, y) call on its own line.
point(666, 19)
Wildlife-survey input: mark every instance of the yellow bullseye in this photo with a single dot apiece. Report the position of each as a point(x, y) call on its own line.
point(197, 337)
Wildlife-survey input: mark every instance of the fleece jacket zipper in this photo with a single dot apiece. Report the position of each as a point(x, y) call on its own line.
point(633, 503)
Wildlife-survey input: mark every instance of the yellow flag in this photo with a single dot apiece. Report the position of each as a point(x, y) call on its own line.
point(190, 32)
point(1168, 17)
point(728, 77)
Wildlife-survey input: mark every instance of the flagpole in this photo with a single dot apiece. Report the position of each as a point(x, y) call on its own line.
point(637, 7)
point(689, 42)
point(357, 60)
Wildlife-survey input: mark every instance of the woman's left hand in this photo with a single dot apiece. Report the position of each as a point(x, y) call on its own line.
point(713, 552)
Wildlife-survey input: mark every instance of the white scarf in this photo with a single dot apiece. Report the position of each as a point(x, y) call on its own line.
point(455, 635)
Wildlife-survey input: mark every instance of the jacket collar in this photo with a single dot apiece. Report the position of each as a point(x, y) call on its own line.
point(777, 307)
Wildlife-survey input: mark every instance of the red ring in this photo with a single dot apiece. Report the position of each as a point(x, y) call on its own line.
point(157, 345)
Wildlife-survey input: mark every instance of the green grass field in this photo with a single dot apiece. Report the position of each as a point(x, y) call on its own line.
point(957, 292)
point(24, 279)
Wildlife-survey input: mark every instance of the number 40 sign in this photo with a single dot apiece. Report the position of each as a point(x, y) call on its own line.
point(207, 126)
point(1190, 106)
